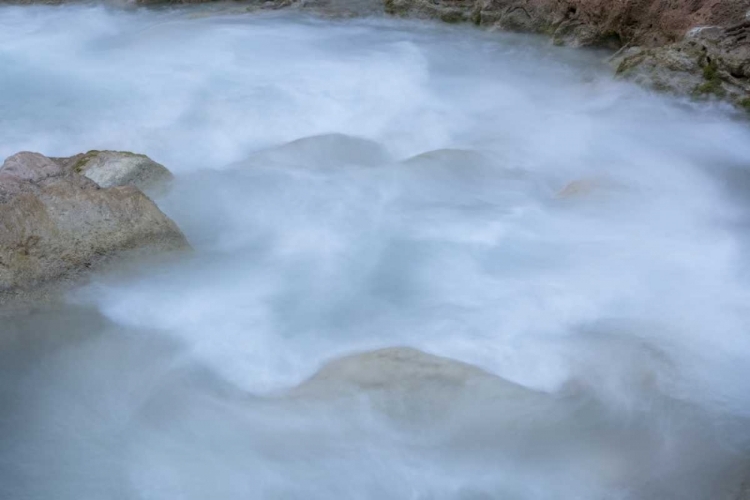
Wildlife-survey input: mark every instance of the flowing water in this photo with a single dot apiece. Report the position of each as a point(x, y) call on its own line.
point(358, 184)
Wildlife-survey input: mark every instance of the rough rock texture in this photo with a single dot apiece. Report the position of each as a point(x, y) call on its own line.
point(327, 8)
point(118, 168)
point(56, 223)
point(710, 62)
point(585, 22)
point(696, 47)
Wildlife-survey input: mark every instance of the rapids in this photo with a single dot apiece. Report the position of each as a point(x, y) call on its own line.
point(359, 184)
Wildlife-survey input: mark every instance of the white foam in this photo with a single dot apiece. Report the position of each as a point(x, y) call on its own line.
point(633, 294)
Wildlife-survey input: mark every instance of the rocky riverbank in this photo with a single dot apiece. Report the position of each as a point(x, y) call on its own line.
point(699, 48)
point(695, 48)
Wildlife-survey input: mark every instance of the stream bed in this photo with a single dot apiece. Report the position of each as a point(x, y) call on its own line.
point(361, 184)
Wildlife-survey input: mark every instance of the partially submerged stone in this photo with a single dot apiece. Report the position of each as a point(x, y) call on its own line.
point(586, 187)
point(404, 372)
point(56, 224)
point(394, 367)
point(322, 151)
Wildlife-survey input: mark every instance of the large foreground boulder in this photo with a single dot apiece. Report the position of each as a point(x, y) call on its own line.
point(55, 223)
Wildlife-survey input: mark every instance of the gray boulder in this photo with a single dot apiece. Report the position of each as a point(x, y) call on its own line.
point(55, 224)
point(118, 168)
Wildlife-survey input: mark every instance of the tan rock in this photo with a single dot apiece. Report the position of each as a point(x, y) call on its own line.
point(55, 224)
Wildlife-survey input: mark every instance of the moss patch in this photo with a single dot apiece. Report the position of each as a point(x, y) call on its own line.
point(712, 85)
point(452, 16)
point(80, 164)
point(630, 62)
point(548, 29)
point(710, 72)
point(83, 159)
point(745, 103)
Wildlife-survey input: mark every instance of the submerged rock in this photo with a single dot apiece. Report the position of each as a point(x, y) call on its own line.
point(322, 151)
point(56, 223)
point(467, 409)
point(394, 367)
point(421, 391)
point(118, 168)
point(415, 376)
point(587, 187)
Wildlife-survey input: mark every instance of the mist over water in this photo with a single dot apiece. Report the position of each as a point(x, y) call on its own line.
point(370, 183)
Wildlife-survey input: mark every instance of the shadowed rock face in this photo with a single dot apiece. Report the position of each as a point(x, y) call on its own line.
point(56, 223)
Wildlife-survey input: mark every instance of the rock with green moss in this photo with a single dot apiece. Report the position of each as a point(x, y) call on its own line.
point(56, 224)
point(119, 168)
point(710, 63)
point(699, 48)
point(677, 71)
